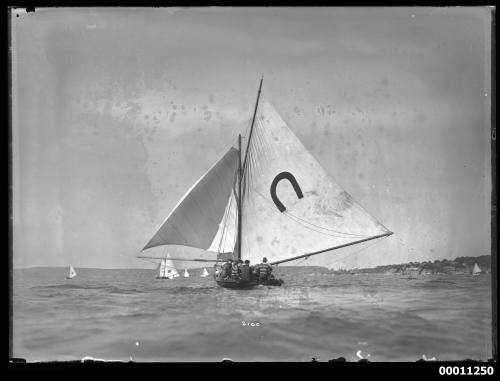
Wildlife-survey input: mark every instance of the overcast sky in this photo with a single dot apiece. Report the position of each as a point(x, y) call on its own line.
point(117, 111)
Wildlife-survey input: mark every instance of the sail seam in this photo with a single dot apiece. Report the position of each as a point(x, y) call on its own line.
point(289, 215)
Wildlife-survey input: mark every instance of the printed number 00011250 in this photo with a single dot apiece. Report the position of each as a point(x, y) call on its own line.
point(466, 370)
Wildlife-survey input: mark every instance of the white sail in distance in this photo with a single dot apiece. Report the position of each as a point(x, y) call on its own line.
point(291, 206)
point(161, 268)
point(72, 272)
point(196, 219)
point(166, 269)
point(204, 273)
point(186, 274)
point(476, 270)
point(170, 270)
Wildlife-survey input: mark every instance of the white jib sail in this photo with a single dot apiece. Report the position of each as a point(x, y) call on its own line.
point(291, 206)
point(72, 272)
point(170, 270)
point(196, 219)
point(161, 268)
point(186, 274)
point(225, 239)
point(205, 273)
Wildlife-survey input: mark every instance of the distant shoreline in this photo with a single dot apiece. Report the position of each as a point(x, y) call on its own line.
point(460, 265)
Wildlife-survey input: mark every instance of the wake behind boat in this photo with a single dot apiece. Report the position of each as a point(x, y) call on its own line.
point(271, 200)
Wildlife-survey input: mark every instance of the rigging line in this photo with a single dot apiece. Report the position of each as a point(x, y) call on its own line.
point(251, 154)
point(258, 132)
point(247, 175)
point(259, 145)
point(225, 221)
point(227, 212)
point(290, 216)
point(351, 253)
point(253, 121)
point(360, 250)
point(251, 168)
point(320, 227)
point(254, 155)
point(253, 164)
point(268, 141)
point(248, 123)
point(145, 259)
point(345, 236)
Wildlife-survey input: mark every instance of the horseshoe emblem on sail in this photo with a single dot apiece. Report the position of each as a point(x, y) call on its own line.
point(288, 176)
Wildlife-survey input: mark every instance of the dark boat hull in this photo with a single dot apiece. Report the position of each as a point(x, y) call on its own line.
point(244, 285)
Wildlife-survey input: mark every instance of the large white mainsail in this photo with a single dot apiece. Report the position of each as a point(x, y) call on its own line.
point(291, 206)
point(196, 219)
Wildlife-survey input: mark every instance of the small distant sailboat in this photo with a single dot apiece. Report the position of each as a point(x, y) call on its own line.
point(167, 270)
point(186, 274)
point(205, 273)
point(476, 270)
point(72, 272)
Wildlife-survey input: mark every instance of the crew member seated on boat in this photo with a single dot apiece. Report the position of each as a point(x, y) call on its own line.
point(245, 271)
point(235, 271)
point(264, 270)
point(217, 270)
point(226, 269)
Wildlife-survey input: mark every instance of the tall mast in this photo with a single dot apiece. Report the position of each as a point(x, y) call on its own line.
point(241, 168)
point(240, 172)
point(253, 121)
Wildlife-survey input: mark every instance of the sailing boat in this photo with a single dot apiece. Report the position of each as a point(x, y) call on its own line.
point(204, 273)
point(166, 269)
point(271, 199)
point(72, 272)
point(476, 270)
point(186, 274)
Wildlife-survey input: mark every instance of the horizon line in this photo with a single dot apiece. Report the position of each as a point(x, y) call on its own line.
point(144, 268)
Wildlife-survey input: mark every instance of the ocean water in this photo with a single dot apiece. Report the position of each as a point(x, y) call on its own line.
point(129, 315)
